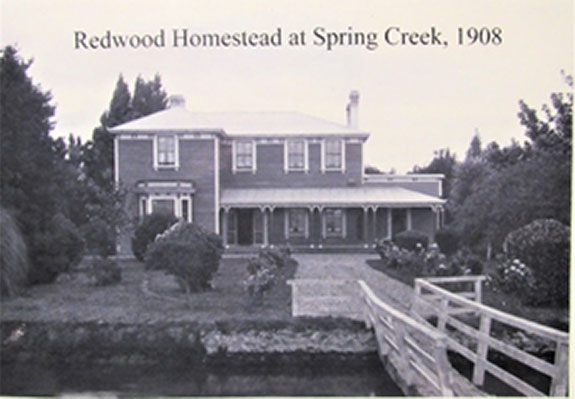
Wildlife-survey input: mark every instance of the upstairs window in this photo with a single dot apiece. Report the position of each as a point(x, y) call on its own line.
point(333, 154)
point(296, 155)
point(166, 152)
point(244, 156)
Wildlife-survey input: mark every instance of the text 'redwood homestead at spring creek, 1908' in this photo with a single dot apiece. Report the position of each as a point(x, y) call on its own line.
point(318, 37)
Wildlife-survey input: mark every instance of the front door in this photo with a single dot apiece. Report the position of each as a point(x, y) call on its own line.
point(399, 221)
point(245, 227)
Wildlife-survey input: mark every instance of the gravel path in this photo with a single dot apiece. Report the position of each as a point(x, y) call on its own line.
point(354, 267)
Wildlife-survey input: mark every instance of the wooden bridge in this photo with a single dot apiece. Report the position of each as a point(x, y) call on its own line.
point(413, 349)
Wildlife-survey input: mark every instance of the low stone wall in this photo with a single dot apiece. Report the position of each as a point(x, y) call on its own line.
point(174, 342)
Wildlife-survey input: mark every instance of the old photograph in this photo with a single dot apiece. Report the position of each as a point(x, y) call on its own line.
point(285, 198)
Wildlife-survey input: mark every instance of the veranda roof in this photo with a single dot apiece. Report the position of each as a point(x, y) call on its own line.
point(392, 197)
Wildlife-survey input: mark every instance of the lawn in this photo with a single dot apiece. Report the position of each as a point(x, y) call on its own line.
point(73, 299)
point(551, 316)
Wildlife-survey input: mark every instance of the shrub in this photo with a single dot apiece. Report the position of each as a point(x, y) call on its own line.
point(99, 237)
point(188, 253)
point(260, 279)
point(105, 272)
point(514, 276)
point(543, 245)
point(146, 232)
point(447, 240)
point(13, 256)
point(426, 263)
point(279, 256)
point(54, 250)
point(411, 262)
point(410, 238)
point(261, 272)
point(465, 262)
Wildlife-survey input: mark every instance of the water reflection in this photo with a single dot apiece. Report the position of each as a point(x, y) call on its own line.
point(317, 379)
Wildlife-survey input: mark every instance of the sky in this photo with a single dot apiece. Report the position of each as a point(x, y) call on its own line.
point(414, 98)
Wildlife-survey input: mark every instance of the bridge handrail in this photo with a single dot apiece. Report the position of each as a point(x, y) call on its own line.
point(413, 357)
point(545, 331)
point(404, 318)
point(556, 370)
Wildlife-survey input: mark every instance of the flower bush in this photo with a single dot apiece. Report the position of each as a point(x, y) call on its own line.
point(280, 256)
point(261, 272)
point(187, 252)
point(513, 276)
point(430, 262)
point(544, 246)
point(410, 238)
point(400, 258)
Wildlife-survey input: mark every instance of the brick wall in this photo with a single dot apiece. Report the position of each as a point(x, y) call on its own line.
point(270, 169)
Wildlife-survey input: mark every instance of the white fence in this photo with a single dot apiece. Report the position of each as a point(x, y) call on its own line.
point(416, 349)
point(434, 301)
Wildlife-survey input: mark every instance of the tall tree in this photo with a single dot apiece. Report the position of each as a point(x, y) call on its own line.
point(506, 188)
point(31, 178)
point(102, 211)
point(120, 110)
point(474, 151)
point(149, 97)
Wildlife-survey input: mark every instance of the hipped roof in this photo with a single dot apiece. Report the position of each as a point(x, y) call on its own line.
point(257, 124)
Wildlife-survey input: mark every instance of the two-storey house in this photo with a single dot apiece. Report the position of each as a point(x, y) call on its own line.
point(268, 178)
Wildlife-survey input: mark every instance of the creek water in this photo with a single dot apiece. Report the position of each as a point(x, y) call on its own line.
point(316, 378)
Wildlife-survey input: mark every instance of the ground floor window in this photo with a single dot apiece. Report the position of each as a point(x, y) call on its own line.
point(334, 223)
point(180, 207)
point(163, 206)
point(297, 223)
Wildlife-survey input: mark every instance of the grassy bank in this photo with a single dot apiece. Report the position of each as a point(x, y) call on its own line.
point(145, 296)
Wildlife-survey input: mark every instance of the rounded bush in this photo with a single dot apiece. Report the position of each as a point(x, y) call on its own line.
point(189, 253)
point(146, 232)
point(543, 246)
point(54, 250)
point(447, 241)
point(410, 238)
point(13, 256)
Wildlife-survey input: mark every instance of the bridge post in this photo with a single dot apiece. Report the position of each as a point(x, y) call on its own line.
point(443, 366)
point(443, 314)
point(559, 381)
point(482, 348)
point(416, 298)
point(400, 335)
point(478, 291)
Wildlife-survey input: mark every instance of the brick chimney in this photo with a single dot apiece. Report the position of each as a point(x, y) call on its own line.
point(352, 110)
point(176, 101)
